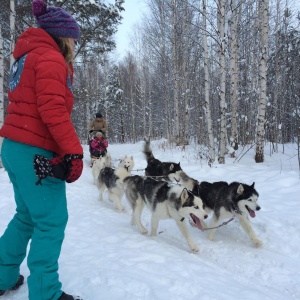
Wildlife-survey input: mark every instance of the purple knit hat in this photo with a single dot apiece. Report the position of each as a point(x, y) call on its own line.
point(55, 20)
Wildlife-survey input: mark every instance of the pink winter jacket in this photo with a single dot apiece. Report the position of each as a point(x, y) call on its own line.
point(97, 144)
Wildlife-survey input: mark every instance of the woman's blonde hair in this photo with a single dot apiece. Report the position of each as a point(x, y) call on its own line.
point(65, 47)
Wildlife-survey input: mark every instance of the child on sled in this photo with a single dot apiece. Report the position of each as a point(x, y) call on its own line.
point(98, 146)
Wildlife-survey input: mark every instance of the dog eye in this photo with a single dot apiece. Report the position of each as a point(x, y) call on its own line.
point(196, 207)
point(250, 200)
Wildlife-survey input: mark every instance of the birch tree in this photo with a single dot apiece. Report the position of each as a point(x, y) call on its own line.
point(166, 90)
point(12, 19)
point(222, 45)
point(261, 118)
point(207, 87)
point(175, 68)
point(233, 45)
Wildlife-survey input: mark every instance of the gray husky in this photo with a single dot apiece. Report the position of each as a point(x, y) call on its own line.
point(164, 202)
point(230, 200)
point(112, 180)
point(157, 169)
point(226, 201)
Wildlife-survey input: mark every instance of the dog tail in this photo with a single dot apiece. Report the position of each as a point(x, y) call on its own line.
point(147, 150)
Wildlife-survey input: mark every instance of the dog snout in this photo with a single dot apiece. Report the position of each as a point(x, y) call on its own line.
point(257, 207)
point(205, 216)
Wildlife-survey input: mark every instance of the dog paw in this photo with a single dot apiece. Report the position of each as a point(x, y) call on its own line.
point(195, 249)
point(144, 231)
point(210, 237)
point(257, 243)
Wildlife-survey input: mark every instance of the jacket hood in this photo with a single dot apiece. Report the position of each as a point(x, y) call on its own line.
point(33, 38)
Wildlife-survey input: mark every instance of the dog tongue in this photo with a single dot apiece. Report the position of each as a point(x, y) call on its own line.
point(251, 213)
point(197, 222)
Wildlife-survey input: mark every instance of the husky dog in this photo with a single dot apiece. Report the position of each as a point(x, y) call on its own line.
point(100, 163)
point(229, 200)
point(127, 162)
point(164, 202)
point(160, 170)
point(225, 200)
point(112, 179)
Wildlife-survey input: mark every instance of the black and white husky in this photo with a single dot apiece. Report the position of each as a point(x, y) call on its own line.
point(157, 169)
point(230, 200)
point(112, 180)
point(225, 201)
point(164, 202)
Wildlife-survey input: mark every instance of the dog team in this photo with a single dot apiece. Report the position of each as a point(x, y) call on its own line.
point(169, 193)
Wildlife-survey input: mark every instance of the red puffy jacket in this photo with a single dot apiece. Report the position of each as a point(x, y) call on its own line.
point(40, 96)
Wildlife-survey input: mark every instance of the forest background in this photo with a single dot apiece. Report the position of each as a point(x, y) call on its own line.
point(220, 74)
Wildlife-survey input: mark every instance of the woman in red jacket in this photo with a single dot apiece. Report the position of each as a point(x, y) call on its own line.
point(40, 142)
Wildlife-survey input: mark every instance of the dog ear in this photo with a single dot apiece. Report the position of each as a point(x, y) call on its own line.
point(171, 167)
point(253, 185)
point(184, 196)
point(240, 189)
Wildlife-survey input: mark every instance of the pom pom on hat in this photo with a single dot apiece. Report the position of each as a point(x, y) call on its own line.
point(55, 20)
point(39, 7)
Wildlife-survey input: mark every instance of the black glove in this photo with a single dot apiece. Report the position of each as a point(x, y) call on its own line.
point(92, 130)
point(68, 168)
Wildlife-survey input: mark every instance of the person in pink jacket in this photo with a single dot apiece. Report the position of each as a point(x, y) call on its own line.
point(99, 145)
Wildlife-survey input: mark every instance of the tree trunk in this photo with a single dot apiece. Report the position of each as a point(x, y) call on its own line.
point(233, 44)
point(264, 30)
point(175, 70)
point(206, 89)
point(221, 28)
point(12, 30)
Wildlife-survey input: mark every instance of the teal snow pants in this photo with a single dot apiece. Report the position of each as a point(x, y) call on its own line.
point(41, 215)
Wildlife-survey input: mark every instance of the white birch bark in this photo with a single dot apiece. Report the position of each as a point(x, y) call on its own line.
point(221, 30)
point(277, 78)
point(165, 71)
point(12, 30)
point(175, 70)
point(207, 88)
point(261, 118)
point(233, 45)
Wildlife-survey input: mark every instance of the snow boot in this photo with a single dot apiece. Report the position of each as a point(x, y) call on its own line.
point(16, 286)
point(65, 296)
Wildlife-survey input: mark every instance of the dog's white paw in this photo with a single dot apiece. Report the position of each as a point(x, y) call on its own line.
point(195, 249)
point(258, 243)
point(211, 237)
point(144, 231)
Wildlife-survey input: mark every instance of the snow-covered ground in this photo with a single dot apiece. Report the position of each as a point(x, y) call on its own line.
point(105, 258)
